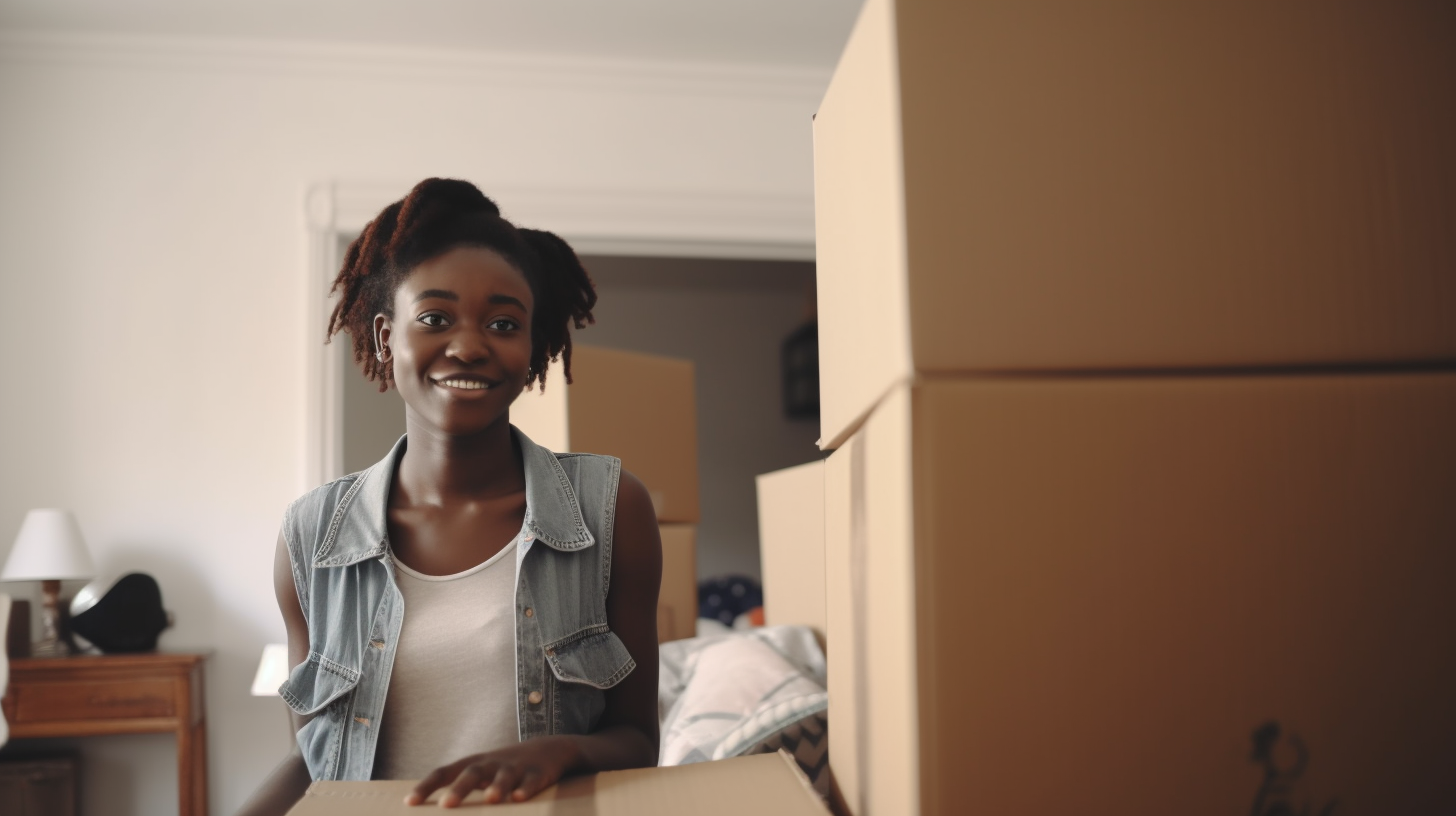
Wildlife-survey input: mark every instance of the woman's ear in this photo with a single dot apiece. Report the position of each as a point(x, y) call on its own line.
point(381, 337)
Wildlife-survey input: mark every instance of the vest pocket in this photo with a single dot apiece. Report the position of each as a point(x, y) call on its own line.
point(315, 683)
point(599, 660)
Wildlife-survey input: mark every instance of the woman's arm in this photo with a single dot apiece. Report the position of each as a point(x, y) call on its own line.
point(627, 735)
point(285, 786)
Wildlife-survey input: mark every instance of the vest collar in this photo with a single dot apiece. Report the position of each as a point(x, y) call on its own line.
point(359, 529)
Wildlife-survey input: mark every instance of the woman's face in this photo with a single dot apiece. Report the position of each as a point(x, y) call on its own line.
point(460, 339)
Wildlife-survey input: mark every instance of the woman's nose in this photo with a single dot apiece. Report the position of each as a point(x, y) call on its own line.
point(469, 346)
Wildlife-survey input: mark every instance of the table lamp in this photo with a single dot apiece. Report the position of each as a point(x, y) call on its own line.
point(49, 549)
point(272, 670)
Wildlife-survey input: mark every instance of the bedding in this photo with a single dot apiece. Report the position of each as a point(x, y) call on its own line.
point(741, 693)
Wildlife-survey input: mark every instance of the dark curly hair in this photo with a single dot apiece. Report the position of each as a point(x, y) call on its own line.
point(437, 216)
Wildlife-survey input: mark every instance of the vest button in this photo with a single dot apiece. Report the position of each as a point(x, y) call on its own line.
point(530, 613)
point(534, 698)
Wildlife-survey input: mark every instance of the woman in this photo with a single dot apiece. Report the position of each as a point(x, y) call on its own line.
point(474, 610)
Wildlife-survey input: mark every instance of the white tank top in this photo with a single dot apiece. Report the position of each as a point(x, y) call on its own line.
point(452, 691)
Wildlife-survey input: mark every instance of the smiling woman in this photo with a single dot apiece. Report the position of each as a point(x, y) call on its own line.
point(474, 611)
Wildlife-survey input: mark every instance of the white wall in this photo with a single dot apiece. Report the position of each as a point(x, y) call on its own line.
point(152, 280)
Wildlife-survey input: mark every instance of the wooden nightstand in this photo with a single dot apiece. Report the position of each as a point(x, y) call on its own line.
point(92, 695)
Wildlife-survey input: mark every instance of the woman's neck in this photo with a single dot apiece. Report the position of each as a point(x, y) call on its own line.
point(437, 467)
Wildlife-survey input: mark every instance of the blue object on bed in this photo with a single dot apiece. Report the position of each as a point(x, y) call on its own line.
point(724, 599)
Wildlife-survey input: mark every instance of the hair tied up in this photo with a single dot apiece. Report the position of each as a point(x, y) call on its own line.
point(437, 216)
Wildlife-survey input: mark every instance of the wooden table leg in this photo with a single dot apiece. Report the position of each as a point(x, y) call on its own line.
point(192, 769)
point(199, 768)
point(185, 772)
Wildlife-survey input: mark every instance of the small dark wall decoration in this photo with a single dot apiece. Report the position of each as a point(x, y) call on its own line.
point(800, 363)
point(1277, 795)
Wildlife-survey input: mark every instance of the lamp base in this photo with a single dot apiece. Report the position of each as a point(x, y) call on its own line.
point(50, 643)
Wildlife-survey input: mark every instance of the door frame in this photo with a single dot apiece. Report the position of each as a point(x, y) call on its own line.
point(660, 223)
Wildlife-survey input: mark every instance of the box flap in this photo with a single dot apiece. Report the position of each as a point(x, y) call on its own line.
point(761, 785)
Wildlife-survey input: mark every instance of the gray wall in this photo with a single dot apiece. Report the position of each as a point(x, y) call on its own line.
point(372, 421)
point(729, 318)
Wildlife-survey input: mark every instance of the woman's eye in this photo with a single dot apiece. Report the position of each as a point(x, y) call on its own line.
point(433, 319)
point(504, 324)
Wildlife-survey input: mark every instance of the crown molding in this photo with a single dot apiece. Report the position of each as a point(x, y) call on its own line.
point(383, 63)
point(636, 221)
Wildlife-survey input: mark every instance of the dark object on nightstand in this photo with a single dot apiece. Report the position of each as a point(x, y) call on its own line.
point(38, 787)
point(128, 617)
point(17, 634)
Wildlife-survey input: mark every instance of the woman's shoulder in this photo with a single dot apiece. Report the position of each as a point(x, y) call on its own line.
point(328, 493)
point(596, 461)
point(318, 504)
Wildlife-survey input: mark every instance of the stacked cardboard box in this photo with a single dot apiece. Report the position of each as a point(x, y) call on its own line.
point(1138, 354)
point(640, 408)
point(791, 546)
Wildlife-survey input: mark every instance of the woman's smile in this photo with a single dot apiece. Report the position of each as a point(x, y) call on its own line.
point(468, 384)
point(460, 339)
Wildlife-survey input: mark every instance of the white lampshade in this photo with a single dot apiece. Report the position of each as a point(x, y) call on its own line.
point(48, 548)
point(272, 670)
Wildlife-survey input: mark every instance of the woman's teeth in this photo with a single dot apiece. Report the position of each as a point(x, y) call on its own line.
point(471, 385)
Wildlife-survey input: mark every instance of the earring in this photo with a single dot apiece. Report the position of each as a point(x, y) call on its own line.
point(379, 355)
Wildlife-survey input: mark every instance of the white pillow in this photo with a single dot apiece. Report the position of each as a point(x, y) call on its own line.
point(724, 694)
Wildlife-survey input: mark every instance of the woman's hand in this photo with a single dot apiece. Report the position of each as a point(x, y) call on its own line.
point(516, 773)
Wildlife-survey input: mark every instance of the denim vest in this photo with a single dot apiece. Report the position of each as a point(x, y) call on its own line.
point(343, 570)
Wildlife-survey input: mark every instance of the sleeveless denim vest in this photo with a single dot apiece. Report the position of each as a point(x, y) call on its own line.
point(342, 568)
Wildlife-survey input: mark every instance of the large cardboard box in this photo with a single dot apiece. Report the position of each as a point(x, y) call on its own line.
point(1200, 595)
point(1098, 186)
point(640, 408)
point(791, 546)
point(763, 785)
point(677, 602)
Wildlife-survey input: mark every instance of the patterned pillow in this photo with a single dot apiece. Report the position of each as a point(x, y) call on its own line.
point(807, 741)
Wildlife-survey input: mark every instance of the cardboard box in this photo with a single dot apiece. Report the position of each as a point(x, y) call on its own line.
point(870, 600)
point(762, 785)
point(640, 408)
point(1095, 596)
point(1072, 186)
point(677, 602)
point(791, 546)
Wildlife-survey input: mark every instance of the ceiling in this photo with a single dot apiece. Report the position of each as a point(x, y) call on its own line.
point(801, 33)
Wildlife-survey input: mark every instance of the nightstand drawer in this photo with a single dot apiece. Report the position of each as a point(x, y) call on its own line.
point(118, 699)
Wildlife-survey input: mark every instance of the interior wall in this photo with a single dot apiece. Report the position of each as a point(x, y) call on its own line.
point(373, 421)
point(153, 264)
point(730, 318)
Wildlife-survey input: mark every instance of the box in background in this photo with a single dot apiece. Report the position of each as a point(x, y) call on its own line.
point(640, 408)
point(791, 546)
point(1064, 186)
point(1146, 595)
point(677, 601)
point(762, 785)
